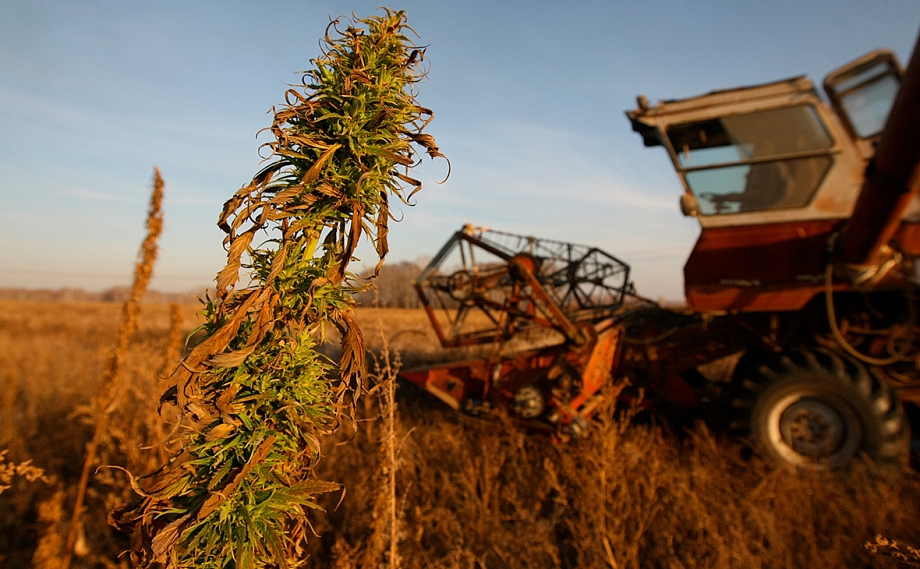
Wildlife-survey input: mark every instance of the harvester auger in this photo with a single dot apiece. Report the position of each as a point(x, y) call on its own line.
point(801, 311)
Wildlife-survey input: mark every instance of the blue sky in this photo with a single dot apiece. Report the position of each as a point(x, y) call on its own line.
point(528, 100)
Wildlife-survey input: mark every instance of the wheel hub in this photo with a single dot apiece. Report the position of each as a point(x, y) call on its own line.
point(812, 428)
point(529, 402)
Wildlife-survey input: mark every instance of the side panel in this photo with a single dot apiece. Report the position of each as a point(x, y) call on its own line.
point(769, 267)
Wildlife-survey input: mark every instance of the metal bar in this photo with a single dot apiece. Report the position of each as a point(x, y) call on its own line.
point(761, 160)
point(549, 307)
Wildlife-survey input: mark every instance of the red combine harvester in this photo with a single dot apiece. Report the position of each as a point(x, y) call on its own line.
point(801, 321)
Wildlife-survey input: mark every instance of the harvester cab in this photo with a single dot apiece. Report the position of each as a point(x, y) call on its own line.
point(810, 227)
point(771, 172)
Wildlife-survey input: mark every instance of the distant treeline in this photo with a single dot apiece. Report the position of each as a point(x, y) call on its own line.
point(394, 287)
point(114, 294)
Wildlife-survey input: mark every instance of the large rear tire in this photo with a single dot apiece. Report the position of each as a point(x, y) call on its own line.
point(818, 410)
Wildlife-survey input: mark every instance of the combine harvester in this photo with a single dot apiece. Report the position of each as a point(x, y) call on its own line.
point(802, 284)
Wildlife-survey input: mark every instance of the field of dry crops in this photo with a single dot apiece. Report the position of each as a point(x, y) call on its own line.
point(468, 492)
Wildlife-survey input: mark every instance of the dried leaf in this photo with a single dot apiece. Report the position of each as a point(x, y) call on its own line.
point(231, 273)
point(166, 538)
point(313, 173)
point(277, 263)
point(230, 359)
point(218, 497)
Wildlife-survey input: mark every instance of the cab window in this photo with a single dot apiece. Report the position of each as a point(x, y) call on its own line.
point(864, 91)
point(770, 159)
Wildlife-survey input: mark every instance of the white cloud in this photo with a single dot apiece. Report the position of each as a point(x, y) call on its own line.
point(95, 196)
point(534, 161)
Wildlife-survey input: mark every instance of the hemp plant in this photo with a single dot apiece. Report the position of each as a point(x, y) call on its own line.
point(255, 395)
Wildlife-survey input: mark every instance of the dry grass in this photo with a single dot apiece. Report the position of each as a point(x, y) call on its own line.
point(52, 361)
point(468, 492)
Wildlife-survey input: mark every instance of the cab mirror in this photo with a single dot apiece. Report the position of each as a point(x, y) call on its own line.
point(688, 205)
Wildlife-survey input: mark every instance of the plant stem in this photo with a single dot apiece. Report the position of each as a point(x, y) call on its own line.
point(106, 397)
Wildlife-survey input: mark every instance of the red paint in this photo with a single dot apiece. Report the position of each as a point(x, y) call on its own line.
point(777, 266)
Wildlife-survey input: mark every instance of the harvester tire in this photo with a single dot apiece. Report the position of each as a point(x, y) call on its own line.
point(818, 410)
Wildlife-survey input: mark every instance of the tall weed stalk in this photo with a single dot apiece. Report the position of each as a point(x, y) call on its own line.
point(388, 519)
point(106, 397)
point(255, 395)
point(175, 343)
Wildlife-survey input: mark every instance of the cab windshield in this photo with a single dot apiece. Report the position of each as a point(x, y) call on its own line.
point(765, 160)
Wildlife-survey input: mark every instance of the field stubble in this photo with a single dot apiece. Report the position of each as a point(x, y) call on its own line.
point(469, 492)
